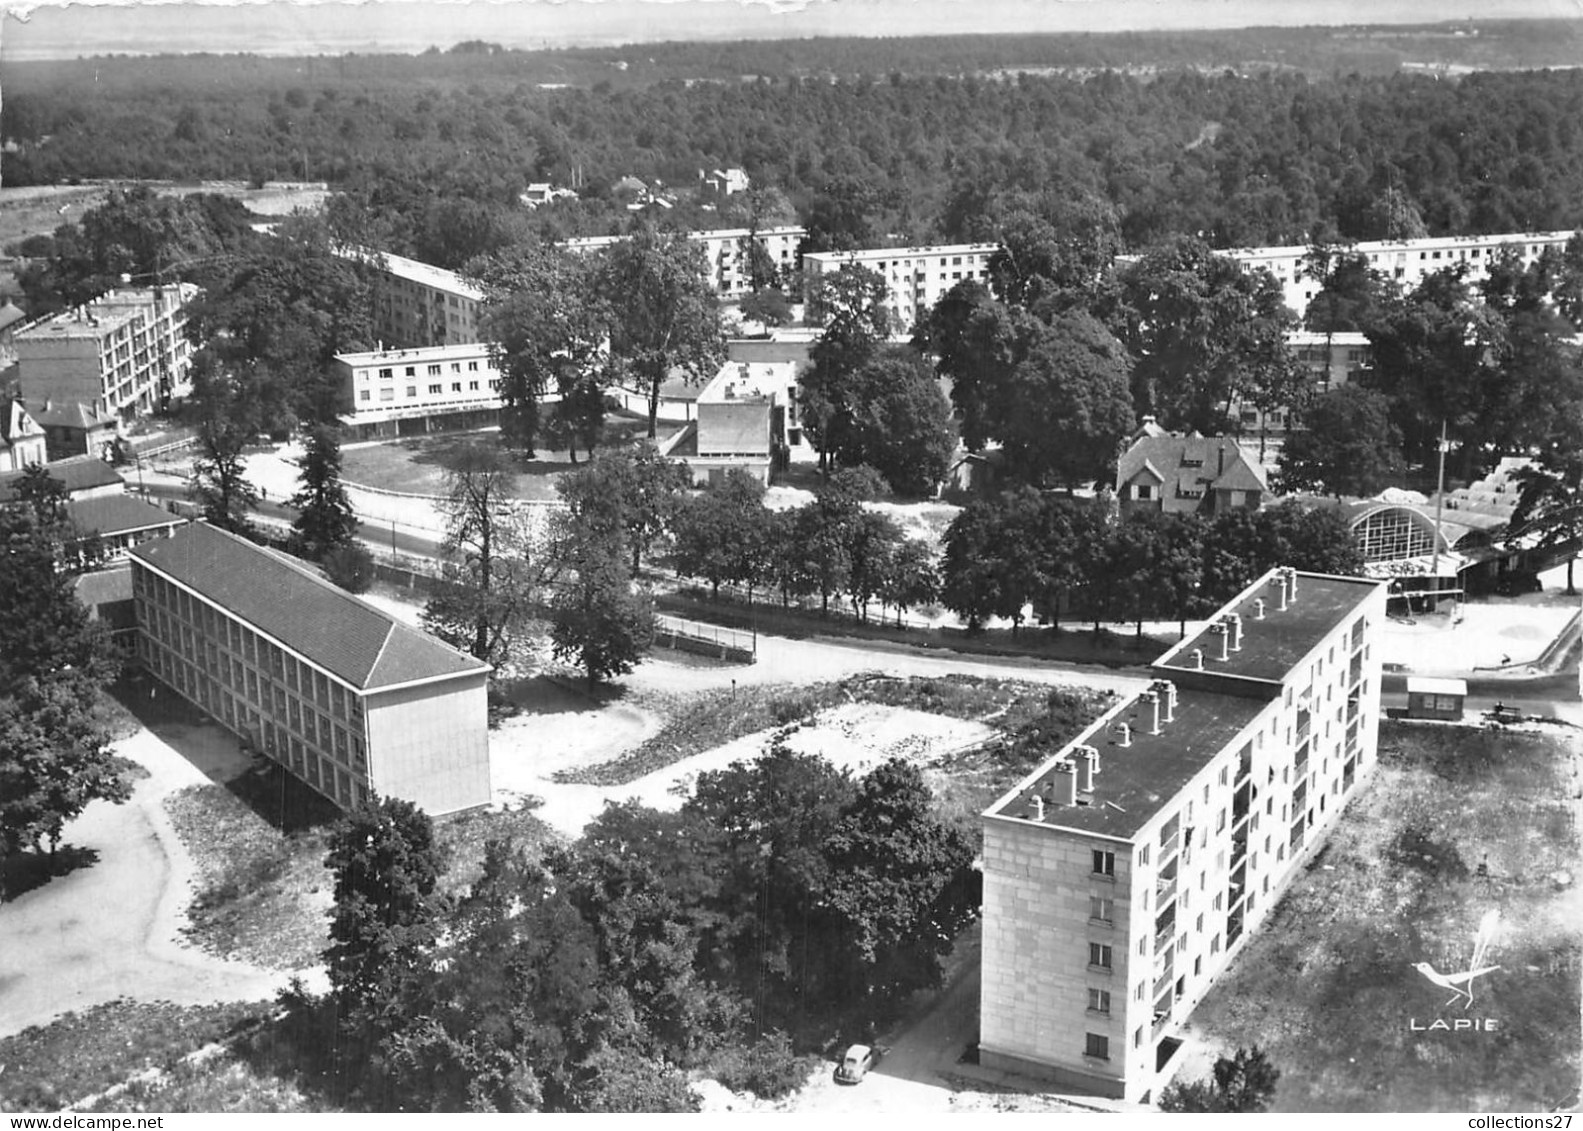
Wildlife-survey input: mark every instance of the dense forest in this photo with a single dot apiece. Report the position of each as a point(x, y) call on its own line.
point(449, 139)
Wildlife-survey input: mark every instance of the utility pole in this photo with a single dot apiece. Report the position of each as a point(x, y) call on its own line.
point(1440, 502)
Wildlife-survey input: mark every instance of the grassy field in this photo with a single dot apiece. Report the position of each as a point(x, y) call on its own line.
point(417, 465)
point(1329, 988)
point(47, 1067)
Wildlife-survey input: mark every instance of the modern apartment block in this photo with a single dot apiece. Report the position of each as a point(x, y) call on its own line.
point(119, 354)
point(1403, 262)
point(916, 277)
point(347, 698)
point(396, 391)
point(1123, 874)
point(725, 252)
point(417, 304)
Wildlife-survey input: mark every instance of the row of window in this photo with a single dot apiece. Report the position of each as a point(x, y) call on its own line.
point(388, 373)
point(388, 393)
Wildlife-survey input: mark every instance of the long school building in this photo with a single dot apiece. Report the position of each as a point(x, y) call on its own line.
point(348, 699)
point(1124, 874)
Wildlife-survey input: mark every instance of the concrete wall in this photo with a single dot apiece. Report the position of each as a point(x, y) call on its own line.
point(430, 744)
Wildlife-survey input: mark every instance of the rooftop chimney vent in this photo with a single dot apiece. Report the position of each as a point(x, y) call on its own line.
point(1258, 608)
point(1065, 783)
point(1152, 698)
point(1198, 659)
point(1222, 630)
point(1036, 808)
point(1234, 622)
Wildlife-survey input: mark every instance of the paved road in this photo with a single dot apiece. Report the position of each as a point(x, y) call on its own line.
point(110, 930)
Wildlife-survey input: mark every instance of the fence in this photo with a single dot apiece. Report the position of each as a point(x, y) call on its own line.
point(705, 639)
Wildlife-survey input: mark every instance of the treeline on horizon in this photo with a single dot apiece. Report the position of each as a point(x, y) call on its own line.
point(450, 139)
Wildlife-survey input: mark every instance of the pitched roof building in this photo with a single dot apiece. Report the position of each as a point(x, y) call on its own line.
point(1187, 474)
point(22, 438)
point(342, 694)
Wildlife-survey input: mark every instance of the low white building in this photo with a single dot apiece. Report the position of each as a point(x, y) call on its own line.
point(405, 391)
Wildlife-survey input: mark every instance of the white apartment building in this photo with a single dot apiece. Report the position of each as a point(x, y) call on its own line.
point(1404, 262)
point(384, 388)
point(916, 277)
point(1125, 873)
point(119, 354)
point(417, 304)
point(724, 251)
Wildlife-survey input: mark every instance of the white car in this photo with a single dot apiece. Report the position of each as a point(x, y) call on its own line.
point(855, 1065)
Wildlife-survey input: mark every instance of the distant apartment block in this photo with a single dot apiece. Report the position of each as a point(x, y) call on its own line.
point(400, 391)
point(345, 697)
point(417, 304)
point(120, 354)
point(1403, 262)
point(725, 252)
point(915, 277)
point(1125, 873)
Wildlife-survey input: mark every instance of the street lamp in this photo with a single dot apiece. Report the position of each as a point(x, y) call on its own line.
point(1440, 502)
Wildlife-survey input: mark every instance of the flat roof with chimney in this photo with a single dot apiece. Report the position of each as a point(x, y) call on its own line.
point(1275, 632)
point(1134, 780)
point(1153, 744)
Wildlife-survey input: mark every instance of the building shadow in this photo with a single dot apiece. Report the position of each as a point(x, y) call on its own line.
point(260, 782)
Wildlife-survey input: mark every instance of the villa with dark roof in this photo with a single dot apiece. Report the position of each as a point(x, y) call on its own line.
point(346, 697)
point(1188, 474)
point(1125, 873)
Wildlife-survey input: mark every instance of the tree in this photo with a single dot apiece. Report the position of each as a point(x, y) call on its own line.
point(1244, 1082)
point(227, 409)
point(850, 305)
point(1346, 445)
point(55, 759)
point(325, 520)
point(1433, 352)
point(597, 620)
point(386, 915)
point(913, 578)
point(723, 534)
point(276, 318)
point(663, 314)
point(1551, 503)
point(636, 492)
point(902, 881)
point(899, 422)
point(351, 566)
point(497, 567)
point(1054, 254)
point(771, 307)
point(1063, 410)
point(548, 325)
point(1198, 326)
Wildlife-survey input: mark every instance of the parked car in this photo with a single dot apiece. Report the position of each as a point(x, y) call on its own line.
point(855, 1065)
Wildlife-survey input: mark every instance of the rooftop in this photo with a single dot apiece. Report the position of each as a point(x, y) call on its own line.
point(419, 354)
point(283, 598)
point(1133, 781)
point(1272, 643)
point(79, 473)
point(904, 252)
point(110, 515)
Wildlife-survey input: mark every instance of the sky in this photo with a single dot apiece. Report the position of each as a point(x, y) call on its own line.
point(46, 29)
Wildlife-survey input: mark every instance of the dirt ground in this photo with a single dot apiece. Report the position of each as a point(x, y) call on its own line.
point(1459, 825)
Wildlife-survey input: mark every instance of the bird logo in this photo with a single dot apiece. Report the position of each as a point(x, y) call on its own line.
point(1461, 984)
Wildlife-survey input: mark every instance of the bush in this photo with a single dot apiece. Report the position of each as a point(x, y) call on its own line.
point(351, 567)
point(769, 1068)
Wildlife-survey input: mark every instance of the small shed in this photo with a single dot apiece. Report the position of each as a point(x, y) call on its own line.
point(1436, 698)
